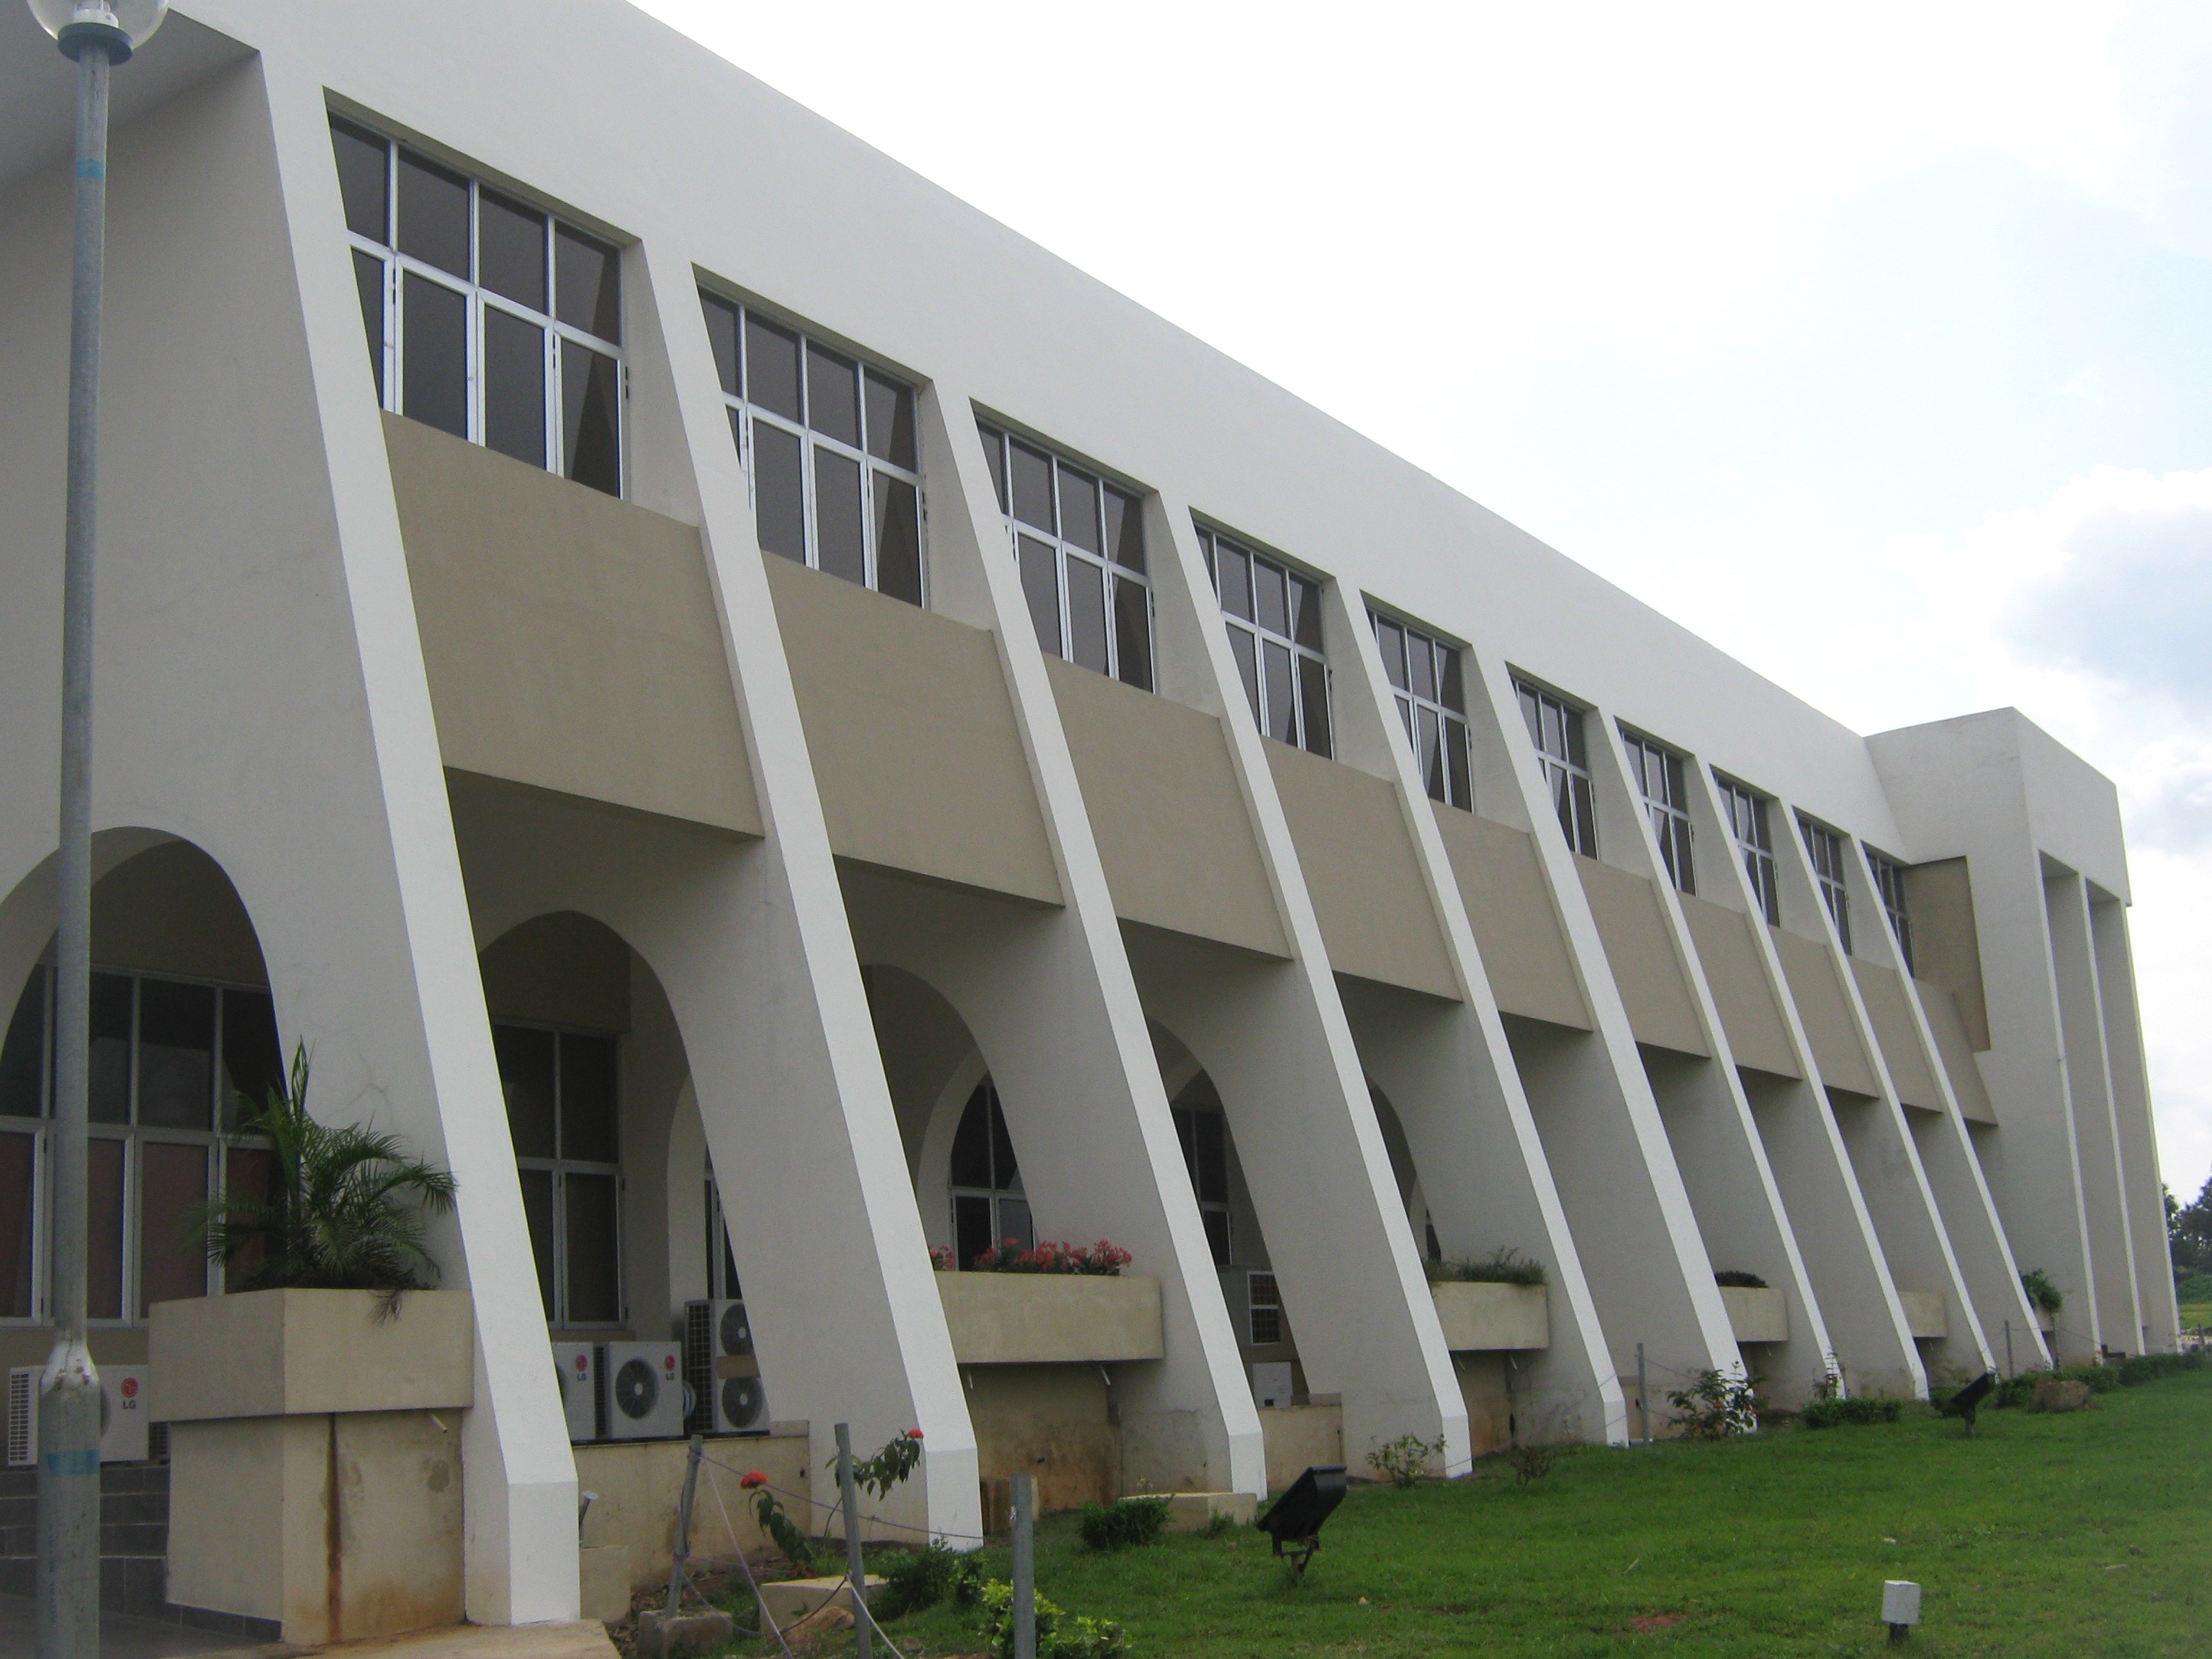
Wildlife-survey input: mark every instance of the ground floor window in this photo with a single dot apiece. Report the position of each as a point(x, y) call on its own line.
point(1204, 1136)
point(176, 1065)
point(989, 1206)
point(563, 1090)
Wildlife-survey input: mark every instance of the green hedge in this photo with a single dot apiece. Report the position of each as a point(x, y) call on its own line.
point(1832, 1413)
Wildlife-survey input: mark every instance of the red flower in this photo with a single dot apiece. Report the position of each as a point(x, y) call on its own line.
point(913, 1434)
point(756, 1478)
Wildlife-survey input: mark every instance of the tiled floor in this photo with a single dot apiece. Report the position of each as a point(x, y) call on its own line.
point(120, 1637)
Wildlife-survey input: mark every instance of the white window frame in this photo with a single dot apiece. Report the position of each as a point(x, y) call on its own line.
point(997, 1196)
point(1255, 1305)
point(747, 412)
point(1669, 809)
point(1828, 850)
point(1262, 636)
point(1888, 875)
point(1065, 552)
point(1752, 826)
point(1560, 771)
point(398, 266)
point(1453, 733)
point(560, 1167)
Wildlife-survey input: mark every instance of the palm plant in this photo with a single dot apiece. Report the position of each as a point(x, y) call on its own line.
point(344, 1209)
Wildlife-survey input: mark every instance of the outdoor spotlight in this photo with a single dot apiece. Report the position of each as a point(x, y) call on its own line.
point(1900, 1607)
point(1295, 1520)
point(122, 26)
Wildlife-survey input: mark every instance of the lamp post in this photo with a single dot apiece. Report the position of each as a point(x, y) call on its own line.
point(98, 35)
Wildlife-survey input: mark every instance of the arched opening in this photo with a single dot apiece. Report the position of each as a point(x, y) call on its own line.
point(185, 1044)
point(990, 1207)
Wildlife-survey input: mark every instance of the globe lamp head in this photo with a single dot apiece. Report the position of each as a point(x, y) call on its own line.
point(122, 26)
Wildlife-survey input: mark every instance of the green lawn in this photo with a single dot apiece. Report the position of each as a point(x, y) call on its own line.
point(2088, 1533)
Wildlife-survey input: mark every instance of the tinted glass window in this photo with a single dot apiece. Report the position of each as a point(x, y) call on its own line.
point(172, 1184)
point(368, 278)
point(103, 1224)
point(1132, 626)
point(511, 249)
point(111, 1048)
point(838, 546)
point(21, 1061)
point(1079, 508)
point(722, 338)
point(1086, 615)
point(176, 1056)
point(1041, 588)
point(890, 422)
point(436, 369)
point(594, 1271)
point(18, 1175)
point(537, 1216)
point(771, 367)
point(588, 1099)
point(363, 181)
point(898, 538)
point(587, 284)
point(253, 1057)
point(525, 1077)
point(1033, 488)
point(591, 414)
point(515, 386)
point(833, 406)
point(433, 214)
point(779, 491)
point(1125, 531)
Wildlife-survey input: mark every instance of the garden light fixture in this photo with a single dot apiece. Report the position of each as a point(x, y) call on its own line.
point(1900, 1607)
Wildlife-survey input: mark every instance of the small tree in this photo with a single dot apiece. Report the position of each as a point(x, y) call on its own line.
point(2189, 1232)
point(343, 1210)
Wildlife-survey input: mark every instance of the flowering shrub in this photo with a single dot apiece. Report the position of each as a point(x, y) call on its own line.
point(942, 1259)
point(1101, 1260)
point(1715, 1406)
point(781, 1530)
point(887, 1467)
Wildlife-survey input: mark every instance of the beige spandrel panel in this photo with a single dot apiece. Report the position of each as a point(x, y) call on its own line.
point(1826, 1013)
point(1882, 990)
point(570, 639)
point(1947, 944)
point(916, 754)
point(1171, 825)
point(1517, 930)
point(1362, 871)
point(1643, 960)
point(1957, 1050)
point(1729, 953)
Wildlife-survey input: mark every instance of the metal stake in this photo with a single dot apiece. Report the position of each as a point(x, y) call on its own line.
point(679, 1571)
point(855, 1567)
point(2008, 1347)
point(69, 1389)
point(1024, 1567)
point(1642, 1395)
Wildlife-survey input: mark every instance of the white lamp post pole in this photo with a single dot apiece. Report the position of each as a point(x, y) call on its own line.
point(98, 35)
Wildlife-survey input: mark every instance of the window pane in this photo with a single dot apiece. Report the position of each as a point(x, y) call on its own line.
point(433, 214)
point(1041, 588)
point(971, 1229)
point(1079, 508)
point(1032, 488)
point(111, 1048)
point(363, 158)
point(772, 368)
point(837, 538)
point(994, 457)
point(1305, 612)
point(525, 1077)
point(1234, 578)
point(1005, 1173)
point(1577, 754)
point(22, 1082)
point(538, 1215)
point(253, 1057)
point(1452, 693)
point(1125, 530)
point(172, 1184)
point(1246, 650)
point(511, 249)
point(19, 1167)
point(1532, 713)
point(890, 422)
point(587, 284)
point(589, 1099)
point(779, 493)
point(1271, 605)
point(833, 405)
point(1554, 743)
point(594, 1272)
point(1430, 756)
point(1455, 765)
point(176, 1056)
point(898, 538)
point(1086, 613)
point(1313, 690)
point(1585, 830)
point(722, 340)
point(1210, 1167)
point(435, 368)
point(1015, 1223)
point(1420, 664)
point(591, 416)
point(1392, 640)
point(971, 1142)
point(515, 386)
point(368, 278)
point(1216, 1235)
point(1132, 632)
point(104, 1243)
point(247, 1173)
point(1282, 700)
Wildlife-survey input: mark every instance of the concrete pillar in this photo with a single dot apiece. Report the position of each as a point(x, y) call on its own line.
point(2132, 1116)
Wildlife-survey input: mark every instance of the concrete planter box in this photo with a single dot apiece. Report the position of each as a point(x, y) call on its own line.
point(1756, 1314)
point(289, 1353)
point(313, 1482)
point(2046, 1323)
point(1927, 1315)
point(1051, 1319)
point(1494, 1318)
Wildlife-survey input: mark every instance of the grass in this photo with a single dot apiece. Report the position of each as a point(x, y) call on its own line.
point(2083, 1534)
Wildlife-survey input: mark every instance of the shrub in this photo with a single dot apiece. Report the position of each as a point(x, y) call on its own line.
point(1118, 1525)
point(1736, 1279)
point(1405, 1462)
point(1531, 1463)
point(2149, 1367)
point(923, 1578)
point(1830, 1413)
point(2101, 1379)
point(1501, 1266)
point(1715, 1406)
point(782, 1530)
point(1060, 1635)
point(886, 1468)
point(1102, 1260)
point(2041, 1291)
point(2196, 1290)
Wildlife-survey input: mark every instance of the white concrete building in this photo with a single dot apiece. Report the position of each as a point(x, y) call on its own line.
point(875, 740)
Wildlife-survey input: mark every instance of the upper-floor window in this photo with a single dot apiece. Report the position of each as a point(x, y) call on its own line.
point(1825, 848)
point(1662, 779)
point(1563, 753)
point(1273, 617)
point(1080, 543)
point(177, 1065)
point(829, 447)
point(1889, 883)
point(1427, 682)
point(1204, 1133)
point(487, 318)
point(1754, 839)
point(990, 1207)
point(564, 1094)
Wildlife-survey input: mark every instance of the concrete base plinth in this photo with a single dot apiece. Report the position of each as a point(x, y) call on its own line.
point(603, 1577)
point(795, 1598)
point(1195, 1511)
point(669, 1635)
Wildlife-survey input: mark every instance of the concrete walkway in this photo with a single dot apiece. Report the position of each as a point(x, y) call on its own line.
point(121, 1637)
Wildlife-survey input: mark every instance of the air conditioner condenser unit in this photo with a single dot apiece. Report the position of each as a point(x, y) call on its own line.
point(646, 1397)
point(576, 1368)
point(723, 1370)
point(123, 1430)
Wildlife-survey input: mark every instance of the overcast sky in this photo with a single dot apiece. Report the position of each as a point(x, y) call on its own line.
point(1893, 320)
